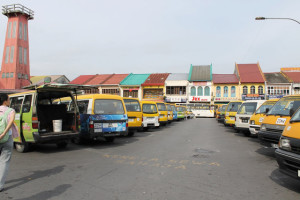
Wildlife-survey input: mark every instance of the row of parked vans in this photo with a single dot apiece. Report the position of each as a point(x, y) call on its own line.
point(275, 122)
point(54, 113)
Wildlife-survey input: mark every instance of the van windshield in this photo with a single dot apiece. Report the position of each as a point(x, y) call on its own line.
point(284, 105)
point(180, 109)
point(296, 117)
point(247, 108)
point(263, 108)
point(132, 105)
point(173, 108)
point(149, 108)
point(233, 106)
point(222, 109)
point(169, 108)
point(161, 107)
point(108, 107)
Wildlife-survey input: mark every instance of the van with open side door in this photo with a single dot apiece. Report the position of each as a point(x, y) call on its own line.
point(288, 153)
point(259, 115)
point(36, 112)
point(101, 116)
point(276, 120)
point(243, 115)
point(135, 115)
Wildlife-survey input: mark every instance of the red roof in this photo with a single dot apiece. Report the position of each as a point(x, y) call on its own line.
point(115, 79)
point(99, 79)
point(293, 76)
point(250, 73)
point(225, 78)
point(156, 79)
point(82, 79)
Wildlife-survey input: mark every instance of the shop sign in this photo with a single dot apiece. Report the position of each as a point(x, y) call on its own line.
point(275, 96)
point(201, 83)
point(176, 99)
point(226, 98)
point(193, 98)
point(130, 89)
point(253, 97)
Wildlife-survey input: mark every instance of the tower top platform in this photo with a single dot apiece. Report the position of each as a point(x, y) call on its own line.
point(10, 10)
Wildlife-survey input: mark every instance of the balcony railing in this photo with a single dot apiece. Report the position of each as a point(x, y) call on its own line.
point(17, 8)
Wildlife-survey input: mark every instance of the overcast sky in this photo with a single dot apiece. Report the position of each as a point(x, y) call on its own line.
point(123, 36)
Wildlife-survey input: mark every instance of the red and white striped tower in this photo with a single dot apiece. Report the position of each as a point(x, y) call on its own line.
point(15, 69)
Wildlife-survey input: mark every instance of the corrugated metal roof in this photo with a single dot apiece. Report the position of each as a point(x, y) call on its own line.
point(115, 79)
point(82, 79)
point(200, 73)
point(135, 79)
point(178, 77)
point(225, 78)
point(99, 79)
point(250, 73)
point(156, 79)
point(275, 77)
point(293, 76)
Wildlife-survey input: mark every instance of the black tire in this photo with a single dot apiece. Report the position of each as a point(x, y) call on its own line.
point(22, 147)
point(247, 133)
point(77, 140)
point(145, 129)
point(131, 133)
point(62, 145)
point(109, 139)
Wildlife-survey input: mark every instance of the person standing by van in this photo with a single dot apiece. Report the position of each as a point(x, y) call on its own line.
point(8, 131)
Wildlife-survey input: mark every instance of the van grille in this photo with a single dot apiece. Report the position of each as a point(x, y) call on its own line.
point(277, 131)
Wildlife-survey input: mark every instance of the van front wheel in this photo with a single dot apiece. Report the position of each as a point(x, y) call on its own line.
point(22, 147)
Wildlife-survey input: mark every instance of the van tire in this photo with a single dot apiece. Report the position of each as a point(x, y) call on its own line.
point(77, 140)
point(62, 145)
point(130, 133)
point(247, 133)
point(109, 139)
point(22, 147)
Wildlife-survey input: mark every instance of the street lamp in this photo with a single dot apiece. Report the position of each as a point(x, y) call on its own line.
point(264, 18)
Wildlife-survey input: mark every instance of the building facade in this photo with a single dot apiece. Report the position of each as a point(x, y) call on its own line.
point(200, 84)
point(176, 88)
point(226, 88)
point(154, 87)
point(277, 85)
point(252, 81)
point(131, 85)
point(293, 75)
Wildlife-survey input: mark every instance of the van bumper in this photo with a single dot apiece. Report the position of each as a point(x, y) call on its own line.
point(54, 137)
point(268, 138)
point(289, 162)
point(254, 129)
point(106, 134)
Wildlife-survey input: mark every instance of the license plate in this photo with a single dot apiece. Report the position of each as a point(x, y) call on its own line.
point(298, 173)
point(232, 118)
point(110, 125)
point(274, 146)
point(97, 125)
point(245, 121)
point(130, 120)
point(97, 130)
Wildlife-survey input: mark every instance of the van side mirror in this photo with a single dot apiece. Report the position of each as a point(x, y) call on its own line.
point(267, 110)
point(292, 111)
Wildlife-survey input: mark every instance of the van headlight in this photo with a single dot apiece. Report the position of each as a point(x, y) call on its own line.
point(263, 127)
point(285, 144)
point(252, 122)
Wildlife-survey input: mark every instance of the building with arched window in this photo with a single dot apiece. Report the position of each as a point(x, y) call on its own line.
point(225, 88)
point(200, 84)
point(252, 81)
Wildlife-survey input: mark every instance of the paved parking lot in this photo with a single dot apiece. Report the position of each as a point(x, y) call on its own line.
point(193, 159)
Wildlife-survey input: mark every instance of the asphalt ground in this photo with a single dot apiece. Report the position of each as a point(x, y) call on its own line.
point(192, 159)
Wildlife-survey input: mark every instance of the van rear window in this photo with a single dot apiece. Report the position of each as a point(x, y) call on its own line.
point(234, 106)
point(132, 105)
point(108, 107)
point(248, 108)
point(161, 107)
point(149, 108)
